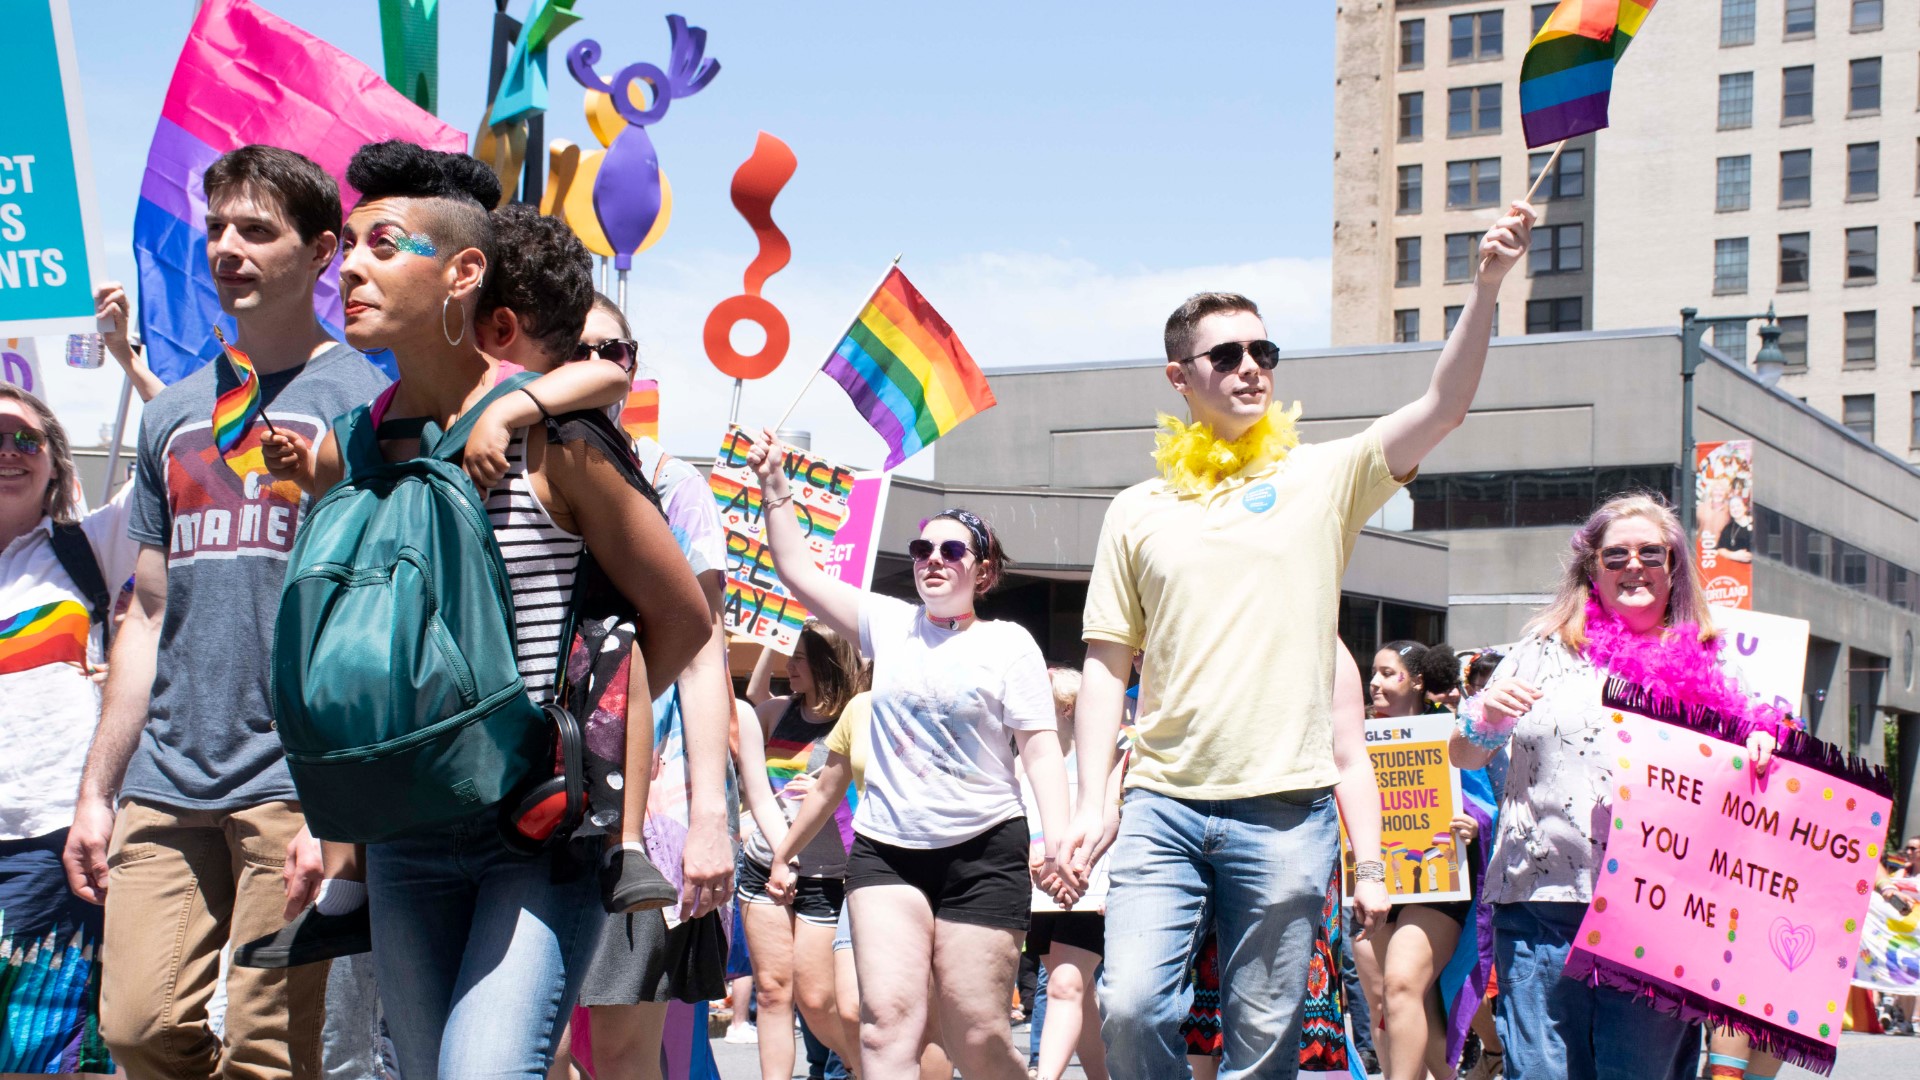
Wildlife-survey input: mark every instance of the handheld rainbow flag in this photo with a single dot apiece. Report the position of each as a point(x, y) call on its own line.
point(906, 371)
point(234, 410)
point(1567, 75)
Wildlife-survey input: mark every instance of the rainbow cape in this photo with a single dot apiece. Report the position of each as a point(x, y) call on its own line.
point(234, 410)
point(247, 76)
point(906, 371)
point(1567, 75)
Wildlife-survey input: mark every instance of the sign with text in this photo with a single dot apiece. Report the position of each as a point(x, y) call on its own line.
point(1728, 893)
point(1419, 798)
point(1723, 521)
point(1771, 652)
point(758, 605)
point(20, 365)
point(858, 542)
point(49, 226)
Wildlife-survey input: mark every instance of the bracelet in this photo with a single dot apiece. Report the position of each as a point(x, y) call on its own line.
point(1370, 870)
point(774, 504)
point(544, 414)
point(1476, 729)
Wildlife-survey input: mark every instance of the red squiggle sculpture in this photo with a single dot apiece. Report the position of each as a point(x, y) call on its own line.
point(755, 185)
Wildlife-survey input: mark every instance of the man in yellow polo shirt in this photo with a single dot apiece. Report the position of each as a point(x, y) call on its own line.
point(1224, 572)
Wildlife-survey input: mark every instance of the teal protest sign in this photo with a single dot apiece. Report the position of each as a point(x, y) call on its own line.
point(48, 226)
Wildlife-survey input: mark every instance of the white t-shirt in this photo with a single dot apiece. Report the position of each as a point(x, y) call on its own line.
point(945, 706)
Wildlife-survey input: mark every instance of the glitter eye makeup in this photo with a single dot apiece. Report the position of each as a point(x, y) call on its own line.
point(411, 243)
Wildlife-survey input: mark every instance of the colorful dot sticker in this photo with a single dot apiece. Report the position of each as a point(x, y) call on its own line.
point(1851, 925)
point(1593, 937)
point(1826, 793)
point(1743, 999)
point(1873, 851)
point(1727, 956)
point(1613, 866)
point(1618, 719)
point(1730, 936)
point(1679, 971)
point(1619, 823)
point(1793, 783)
point(1625, 736)
point(1824, 1031)
point(1833, 1006)
point(1738, 761)
point(1768, 1009)
point(1874, 817)
point(1665, 734)
point(1716, 984)
point(1733, 912)
point(1793, 1016)
point(1625, 764)
point(1705, 750)
point(1851, 804)
point(1639, 951)
point(1625, 795)
point(1860, 887)
point(1600, 904)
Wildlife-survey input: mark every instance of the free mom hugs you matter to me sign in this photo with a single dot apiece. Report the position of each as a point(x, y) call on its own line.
point(1727, 896)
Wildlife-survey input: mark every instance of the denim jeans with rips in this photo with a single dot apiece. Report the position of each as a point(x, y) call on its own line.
point(1255, 871)
point(480, 952)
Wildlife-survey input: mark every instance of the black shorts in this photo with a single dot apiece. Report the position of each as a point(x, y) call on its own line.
point(1453, 909)
point(981, 882)
point(1080, 929)
point(815, 900)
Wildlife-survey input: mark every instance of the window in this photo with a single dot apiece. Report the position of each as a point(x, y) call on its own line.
point(1731, 339)
point(1795, 255)
point(1413, 44)
point(1736, 100)
point(1553, 316)
point(1460, 247)
point(1730, 265)
point(1859, 351)
point(1863, 171)
point(1569, 179)
point(1412, 109)
point(1916, 337)
point(1913, 438)
point(1535, 497)
point(1541, 12)
point(1863, 255)
point(1916, 250)
point(1475, 37)
point(1409, 190)
point(1734, 188)
point(1799, 18)
point(1736, 22)
point(1473, 110)
point(1556, 249)
point(1406, 261)
point(1796, 95)
point(1867, 14)
point(1406, 324)
point(1796, 177)
point(1863, 86)
point(1856, 412)
point(1453, 311)
point(1793, 341)
point(1473, 183)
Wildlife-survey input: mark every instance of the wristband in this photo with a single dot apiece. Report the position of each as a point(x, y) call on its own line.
point(774, 504)
point(1477, 729)
point(544, 414)
point(1370, 870)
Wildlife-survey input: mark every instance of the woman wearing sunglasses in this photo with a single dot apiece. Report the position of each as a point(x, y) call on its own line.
point(1628, 605)
point(937, 876)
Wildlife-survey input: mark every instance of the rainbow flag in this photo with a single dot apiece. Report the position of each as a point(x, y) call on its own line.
point(906, 371)
point(53, 633)
point(235, 409)
point(641, 415)
point(1567, 75)
point(247, 76)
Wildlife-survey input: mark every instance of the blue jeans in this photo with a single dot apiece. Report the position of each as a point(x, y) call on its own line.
point(479, 952)
point(1556, 1028)
point(1255, 871)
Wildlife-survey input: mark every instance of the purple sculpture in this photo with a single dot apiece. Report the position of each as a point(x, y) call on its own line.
point(626, 194)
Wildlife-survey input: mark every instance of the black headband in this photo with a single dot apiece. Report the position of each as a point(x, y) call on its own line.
point(982, 542)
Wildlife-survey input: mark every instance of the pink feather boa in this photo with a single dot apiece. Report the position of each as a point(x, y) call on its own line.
point(1678, 664)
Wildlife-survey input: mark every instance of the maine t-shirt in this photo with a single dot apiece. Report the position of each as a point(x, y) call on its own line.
point(945, 706)
point(227, 527)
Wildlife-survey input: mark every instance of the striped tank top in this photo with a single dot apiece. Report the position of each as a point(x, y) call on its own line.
point(541, 560)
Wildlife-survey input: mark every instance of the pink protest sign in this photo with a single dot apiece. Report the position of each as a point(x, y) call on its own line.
point(1731, 897)
point(858, 541)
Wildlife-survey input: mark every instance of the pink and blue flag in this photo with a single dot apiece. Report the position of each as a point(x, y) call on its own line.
point(247, 76)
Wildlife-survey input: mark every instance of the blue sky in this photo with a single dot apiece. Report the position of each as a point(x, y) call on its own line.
point(1057, 176)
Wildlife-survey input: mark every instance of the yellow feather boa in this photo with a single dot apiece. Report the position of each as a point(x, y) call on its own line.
point(1193, 460)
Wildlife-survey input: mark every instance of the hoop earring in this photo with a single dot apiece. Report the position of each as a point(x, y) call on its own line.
point(451, 340)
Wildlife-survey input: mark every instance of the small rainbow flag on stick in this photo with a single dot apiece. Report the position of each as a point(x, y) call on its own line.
point(906, 371)
point(1567, 75)
point(235, 409)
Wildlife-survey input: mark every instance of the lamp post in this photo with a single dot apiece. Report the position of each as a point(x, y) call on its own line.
point(1767, 364)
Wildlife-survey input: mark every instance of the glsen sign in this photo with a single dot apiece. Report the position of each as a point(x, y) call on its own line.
point(48, 222)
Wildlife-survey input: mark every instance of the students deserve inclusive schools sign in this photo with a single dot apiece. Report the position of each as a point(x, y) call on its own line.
point(757, 603)
point(1419, 798)
point(48, 225)
point(1729, 895)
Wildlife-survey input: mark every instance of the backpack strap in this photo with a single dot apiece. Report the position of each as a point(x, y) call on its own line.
point(75, 552)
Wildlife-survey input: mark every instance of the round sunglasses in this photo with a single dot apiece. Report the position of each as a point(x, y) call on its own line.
point(25, 440)
point(1225, 356)
point(622, 351)
point(951, 551)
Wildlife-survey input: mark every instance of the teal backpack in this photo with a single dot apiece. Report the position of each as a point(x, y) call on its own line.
point(394, 684)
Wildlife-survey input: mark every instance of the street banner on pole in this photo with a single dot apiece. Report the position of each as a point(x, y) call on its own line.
point(1723, 521)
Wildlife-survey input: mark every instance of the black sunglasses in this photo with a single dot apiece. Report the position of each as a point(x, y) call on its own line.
point(1226, 356)
point(622, 351)
point(25, 440)
point(952, 551)
point(1615, 558)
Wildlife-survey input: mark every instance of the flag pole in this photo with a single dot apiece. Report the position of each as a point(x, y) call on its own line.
point(785, 416)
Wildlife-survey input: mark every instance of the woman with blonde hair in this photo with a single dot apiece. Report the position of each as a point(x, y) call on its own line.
point(1629, 605)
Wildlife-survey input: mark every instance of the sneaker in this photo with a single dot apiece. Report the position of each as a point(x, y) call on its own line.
point(629, 882)
point(743, 1033)
point(310, 938)
point(1491, 1066)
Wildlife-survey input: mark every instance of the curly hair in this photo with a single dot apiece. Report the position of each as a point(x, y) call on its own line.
point(543, 274)
point(463, 190)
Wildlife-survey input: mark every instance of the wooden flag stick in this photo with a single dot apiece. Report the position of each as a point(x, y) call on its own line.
point(785, 416)
point(1547, 168)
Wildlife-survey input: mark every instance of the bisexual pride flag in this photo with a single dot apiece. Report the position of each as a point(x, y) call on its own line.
point(1567, 75)
point(246, 76)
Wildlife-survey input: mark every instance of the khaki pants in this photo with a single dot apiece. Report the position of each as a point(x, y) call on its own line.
point(181, 885)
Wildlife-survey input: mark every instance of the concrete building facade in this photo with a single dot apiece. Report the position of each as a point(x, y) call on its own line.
point(1762, 152)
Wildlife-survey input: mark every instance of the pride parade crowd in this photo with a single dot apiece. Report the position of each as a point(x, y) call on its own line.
point(200, 796)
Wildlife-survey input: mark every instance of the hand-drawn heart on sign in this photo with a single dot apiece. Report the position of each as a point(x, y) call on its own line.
point(1792, 944)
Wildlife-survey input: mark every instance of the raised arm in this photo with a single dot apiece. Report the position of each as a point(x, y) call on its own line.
point(833, 601)
point(760, 683)
point(1409, 434)
point(1358, 791)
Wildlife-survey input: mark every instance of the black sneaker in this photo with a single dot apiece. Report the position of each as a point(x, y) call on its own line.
point(310, 938)
point(630, 882)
